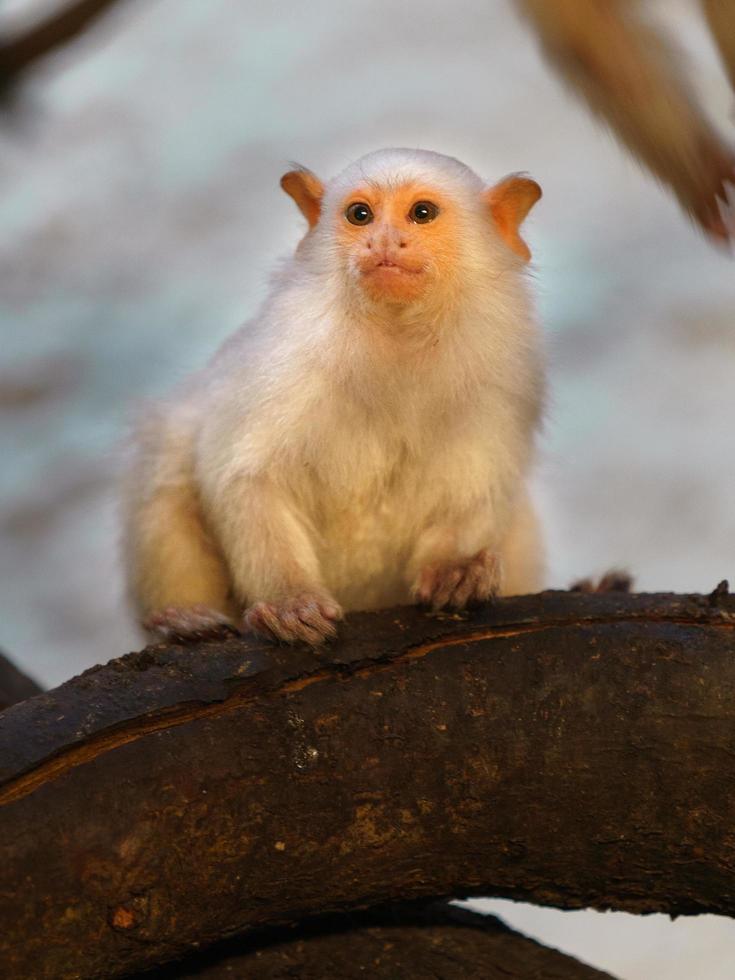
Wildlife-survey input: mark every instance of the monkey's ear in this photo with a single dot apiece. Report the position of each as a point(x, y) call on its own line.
point(509, 202)
point(307, 190)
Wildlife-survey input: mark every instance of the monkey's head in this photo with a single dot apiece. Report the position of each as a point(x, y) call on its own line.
point(403, 225)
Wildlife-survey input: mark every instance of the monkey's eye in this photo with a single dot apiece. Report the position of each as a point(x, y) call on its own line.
point(359, 214)
point(423, 212)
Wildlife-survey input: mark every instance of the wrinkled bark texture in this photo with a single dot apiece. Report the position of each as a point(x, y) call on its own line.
point(566, 749)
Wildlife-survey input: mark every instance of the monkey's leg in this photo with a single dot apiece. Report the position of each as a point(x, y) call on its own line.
point(720, 15)
point(177, 576)
point(268, 544)
point(630, 77)
point(522, 552)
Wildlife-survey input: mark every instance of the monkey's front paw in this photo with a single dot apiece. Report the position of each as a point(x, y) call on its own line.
point(457, 584)
point(307, 618)
point(614, 580)
point(188, 623)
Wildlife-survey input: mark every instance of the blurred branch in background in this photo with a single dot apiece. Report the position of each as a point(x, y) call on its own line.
point(720, 15)
point(630, 77)
point(607, 53)
point(20, 53)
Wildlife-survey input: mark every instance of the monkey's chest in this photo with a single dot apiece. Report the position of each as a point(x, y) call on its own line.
point(373, 498)
point(364, 553)
point(366, 536)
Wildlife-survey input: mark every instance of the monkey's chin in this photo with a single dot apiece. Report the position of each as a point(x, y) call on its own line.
point(393, 284)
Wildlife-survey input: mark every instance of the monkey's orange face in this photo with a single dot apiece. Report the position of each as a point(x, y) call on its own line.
point(398, 243)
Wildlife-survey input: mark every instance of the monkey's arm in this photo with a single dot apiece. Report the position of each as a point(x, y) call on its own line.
point(457, 560)
point(177, 580)
point(268, 545)
point(630, 78)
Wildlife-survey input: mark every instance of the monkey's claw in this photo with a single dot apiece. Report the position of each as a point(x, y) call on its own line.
point(457, 584)
point(190, 623)
point(307, 618)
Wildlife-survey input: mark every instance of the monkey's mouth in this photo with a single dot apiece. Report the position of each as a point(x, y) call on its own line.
point(391, 267)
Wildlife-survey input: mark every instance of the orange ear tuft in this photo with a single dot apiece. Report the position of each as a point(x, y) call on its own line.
point(306, 190)
point(510, 201)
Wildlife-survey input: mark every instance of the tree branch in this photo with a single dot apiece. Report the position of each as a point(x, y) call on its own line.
point(564, 749)
point(14, 686)
point(19, 54)
point(421, 942)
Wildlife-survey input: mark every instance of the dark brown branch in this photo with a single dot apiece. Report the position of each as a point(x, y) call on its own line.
point(21, 53)
point(14, 686)
point(423, 943)
point(566, 749)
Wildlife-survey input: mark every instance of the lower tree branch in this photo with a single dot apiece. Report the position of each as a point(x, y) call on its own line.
point(566, 749)
point(14, 686)
point(431, 942)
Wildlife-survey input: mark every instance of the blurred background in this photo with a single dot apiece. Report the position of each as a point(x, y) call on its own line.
point(140, 216)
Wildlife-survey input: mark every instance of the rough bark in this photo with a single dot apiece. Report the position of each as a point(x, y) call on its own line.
point(14, 685)
point(566, 749)
point(436, 942)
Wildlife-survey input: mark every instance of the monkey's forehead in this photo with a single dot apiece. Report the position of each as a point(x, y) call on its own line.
point(393, 168)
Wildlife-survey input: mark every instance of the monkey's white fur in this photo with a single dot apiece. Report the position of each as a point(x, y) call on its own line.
point(334, 449)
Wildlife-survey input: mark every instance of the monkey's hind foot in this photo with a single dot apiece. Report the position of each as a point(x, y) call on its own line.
point(188, 624)
point(613, 580)
point(457, 584)
point(308, 618)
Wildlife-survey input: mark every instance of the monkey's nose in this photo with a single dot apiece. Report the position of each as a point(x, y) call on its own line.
point(387, 239)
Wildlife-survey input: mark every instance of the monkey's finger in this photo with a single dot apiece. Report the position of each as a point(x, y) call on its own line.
point(448, 579)
point(330, 609)
point(263, 619)
point(423, 588)
point(296, 620)
point(313, 619)
point(297, 629)
point(482, 580)
point(471, 587)
point(480, 583)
